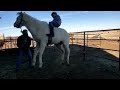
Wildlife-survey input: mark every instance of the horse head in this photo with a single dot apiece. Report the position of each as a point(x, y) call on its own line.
point(19, 21)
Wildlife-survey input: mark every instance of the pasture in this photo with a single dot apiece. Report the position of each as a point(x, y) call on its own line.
point(90, 68)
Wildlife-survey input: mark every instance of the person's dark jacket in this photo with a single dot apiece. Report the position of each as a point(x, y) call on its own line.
point(23, 42)
point(57, 19)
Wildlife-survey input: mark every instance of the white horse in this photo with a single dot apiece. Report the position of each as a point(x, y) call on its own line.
point(38, 30)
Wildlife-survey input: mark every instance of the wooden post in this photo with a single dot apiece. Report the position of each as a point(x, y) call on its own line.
point(100, 40)
point(84, 48)
point(72, 40)
point(87, 40)
point(77, 39)
point(4, 41)
point(10, 42)
point(16, 42)
point(119, 53)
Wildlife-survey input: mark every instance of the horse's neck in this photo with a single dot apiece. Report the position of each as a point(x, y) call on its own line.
point(33, 25)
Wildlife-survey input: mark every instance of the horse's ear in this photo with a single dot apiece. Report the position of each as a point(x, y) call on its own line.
point(19, 13)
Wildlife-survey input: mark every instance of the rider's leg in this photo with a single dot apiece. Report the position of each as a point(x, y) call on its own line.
point(51, 26)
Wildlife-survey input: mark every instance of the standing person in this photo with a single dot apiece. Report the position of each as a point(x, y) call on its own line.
point(23, 43)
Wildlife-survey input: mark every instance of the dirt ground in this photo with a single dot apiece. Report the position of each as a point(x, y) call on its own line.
point(92, 67)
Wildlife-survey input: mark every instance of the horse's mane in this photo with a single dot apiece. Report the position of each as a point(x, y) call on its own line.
point(35, 19)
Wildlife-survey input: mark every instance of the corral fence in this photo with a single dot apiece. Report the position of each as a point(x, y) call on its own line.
point(105, 40)
point(11, 42)
point(104, 43)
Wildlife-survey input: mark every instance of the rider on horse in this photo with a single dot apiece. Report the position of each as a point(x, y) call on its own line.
point(55, 23)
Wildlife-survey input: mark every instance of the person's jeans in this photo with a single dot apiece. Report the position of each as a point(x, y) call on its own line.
point(21, 52)
point(51, 26)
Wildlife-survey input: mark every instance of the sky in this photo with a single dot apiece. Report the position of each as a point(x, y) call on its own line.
point(72, 21)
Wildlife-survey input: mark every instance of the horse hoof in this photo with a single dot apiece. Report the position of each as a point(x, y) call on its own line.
point(41, 64)
point(32, 67)
point(40, 67)
point(68, 65)
point(62, 63)
point(17, 70)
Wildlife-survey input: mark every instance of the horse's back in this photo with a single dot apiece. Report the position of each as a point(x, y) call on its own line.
point(60, 31)
point(62, 34)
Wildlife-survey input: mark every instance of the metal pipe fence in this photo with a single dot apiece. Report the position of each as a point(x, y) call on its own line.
point(111, 46)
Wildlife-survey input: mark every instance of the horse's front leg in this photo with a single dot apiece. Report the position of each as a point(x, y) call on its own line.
point(41, 50)
point(35, 54)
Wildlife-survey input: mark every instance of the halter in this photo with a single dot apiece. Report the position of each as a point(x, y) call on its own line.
point(20, 22)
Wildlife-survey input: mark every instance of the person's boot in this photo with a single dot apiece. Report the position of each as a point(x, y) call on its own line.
point(52, 32)
point(49, 40)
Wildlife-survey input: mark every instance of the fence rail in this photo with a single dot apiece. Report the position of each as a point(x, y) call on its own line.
point(105, 42)
point(12, 43)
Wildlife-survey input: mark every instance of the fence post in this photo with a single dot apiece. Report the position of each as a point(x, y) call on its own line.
point(16, 42)
point(87, 39)
point(119, 53)
point(4, 41)
point(10, 42)
point(72, 40)
point(100, 40)
point(77, 38)
point(84, 48)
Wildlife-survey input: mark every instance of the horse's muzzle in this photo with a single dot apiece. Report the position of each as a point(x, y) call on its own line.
point(16, 25)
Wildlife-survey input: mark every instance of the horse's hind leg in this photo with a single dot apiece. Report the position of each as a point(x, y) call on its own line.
point(60, 47)
point(67, 50)
point(35, 54)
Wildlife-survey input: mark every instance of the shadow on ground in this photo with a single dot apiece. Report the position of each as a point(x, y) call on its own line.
point(90, 68)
